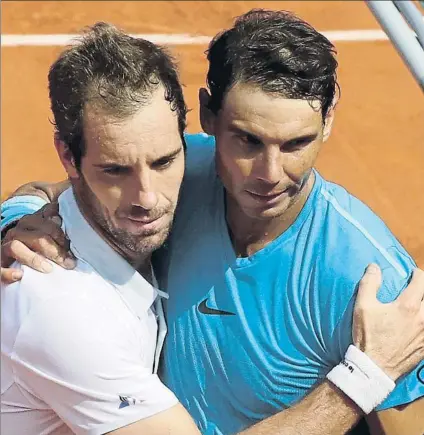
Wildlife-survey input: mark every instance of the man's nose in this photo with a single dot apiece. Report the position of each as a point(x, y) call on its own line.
point(146, 200)
point(269, 166)
point(144, 194)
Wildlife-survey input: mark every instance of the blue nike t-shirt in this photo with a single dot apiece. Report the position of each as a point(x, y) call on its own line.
point(249, 337)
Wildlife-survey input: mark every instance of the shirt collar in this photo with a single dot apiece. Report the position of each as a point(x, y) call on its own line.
point(88, 246)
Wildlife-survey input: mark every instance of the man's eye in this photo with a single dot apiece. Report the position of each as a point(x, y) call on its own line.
point(163, 163)
point(116, 170)
point(249, 139)
point(296, 144)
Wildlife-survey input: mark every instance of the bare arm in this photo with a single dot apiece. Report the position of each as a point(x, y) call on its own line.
point(47, 191)
point(326, 410)
point(12, 249)
point(407, 419)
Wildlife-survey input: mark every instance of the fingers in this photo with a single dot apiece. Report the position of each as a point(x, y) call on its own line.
point(50, 210)
point(41, 232)
point(46, 219)
point(414, 292)
point(52, 224)
point(17, 250)
point(369, 284)
point(10, 275)
point(51, 227)
point(45, 246)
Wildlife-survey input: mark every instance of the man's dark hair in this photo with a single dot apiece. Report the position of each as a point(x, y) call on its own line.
point(115, 71)
point(277, 51)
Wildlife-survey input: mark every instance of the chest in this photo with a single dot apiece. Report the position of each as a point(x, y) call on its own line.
point(241, 347)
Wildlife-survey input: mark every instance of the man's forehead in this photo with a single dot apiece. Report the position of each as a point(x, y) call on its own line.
point(151, 110)
point(121, 143)
point(152, 128)
point(245, 101)
point(272, 118)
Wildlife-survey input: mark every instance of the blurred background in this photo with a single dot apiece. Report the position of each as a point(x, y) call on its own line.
point(377, 147)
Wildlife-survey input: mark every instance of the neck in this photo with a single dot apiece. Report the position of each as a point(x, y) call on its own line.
point(249, 234)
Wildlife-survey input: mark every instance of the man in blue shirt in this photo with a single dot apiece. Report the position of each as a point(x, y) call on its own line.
point(277, 250)
point(258, 328)
point(265, 255)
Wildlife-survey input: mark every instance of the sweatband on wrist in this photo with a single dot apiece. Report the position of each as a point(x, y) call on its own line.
point(361, 379)
point(19, 206)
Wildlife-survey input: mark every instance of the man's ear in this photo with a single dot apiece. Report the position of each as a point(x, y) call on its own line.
point(66, 157)
point(329, 119)
point(207, 117)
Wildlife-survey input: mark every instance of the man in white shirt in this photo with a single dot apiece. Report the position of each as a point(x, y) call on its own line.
point(80, 348)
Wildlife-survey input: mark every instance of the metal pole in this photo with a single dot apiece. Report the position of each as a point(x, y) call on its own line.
point(413, 17)
point(401, 36)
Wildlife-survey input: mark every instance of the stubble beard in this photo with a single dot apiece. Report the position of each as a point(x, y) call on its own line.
point(131, 246)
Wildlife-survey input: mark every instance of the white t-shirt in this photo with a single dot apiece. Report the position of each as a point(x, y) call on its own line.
point(80, 348)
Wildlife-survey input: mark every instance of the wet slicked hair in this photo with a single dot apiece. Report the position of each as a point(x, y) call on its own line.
point(277, 51)
point(115, 71)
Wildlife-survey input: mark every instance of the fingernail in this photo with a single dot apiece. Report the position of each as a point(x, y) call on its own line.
point(372, 268)
point(46, 267)
point(16, 276)
point(69, 263)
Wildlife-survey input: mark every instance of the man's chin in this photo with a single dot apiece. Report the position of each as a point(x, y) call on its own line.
point(148, 243)
point(267, 214)
point(256, 212)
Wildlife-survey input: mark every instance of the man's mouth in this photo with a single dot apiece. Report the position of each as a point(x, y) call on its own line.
point(145, 224)
point(143, 220)
point(270, 196)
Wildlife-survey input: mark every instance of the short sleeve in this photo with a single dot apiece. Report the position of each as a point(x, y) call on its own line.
point(87, 365)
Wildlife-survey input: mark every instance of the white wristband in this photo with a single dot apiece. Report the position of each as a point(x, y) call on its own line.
point(361, 379)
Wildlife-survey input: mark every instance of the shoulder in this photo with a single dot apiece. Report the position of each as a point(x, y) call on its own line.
point(354, 236)
point(200, 152)
point(354, 216)
point(347, 236)
point(199, 141)
point(64, 313)
point(200, 177)
point(37, 288)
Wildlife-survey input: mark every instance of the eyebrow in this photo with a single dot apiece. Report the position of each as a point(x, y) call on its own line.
point(304, 138)
point(238, 130)
point(109, 164)
point(170, 155)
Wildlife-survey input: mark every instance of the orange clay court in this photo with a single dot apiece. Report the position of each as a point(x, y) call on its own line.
point(377, 147)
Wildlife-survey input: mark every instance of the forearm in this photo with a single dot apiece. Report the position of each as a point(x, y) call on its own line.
point(326, 410)
point(408, 419)
point(28, 199)
point(48, 191)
